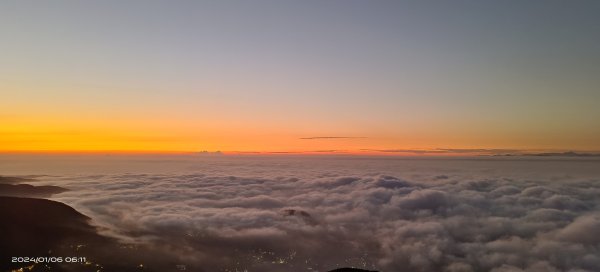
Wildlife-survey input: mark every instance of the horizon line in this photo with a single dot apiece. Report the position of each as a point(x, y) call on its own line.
point(435, 152)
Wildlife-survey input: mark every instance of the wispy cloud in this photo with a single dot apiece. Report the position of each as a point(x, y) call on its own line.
point(482, 151)
point(330, 137)
point(563, 154)
point(414, 151)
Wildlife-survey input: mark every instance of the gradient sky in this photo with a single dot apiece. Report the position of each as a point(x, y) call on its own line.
point(262, 75)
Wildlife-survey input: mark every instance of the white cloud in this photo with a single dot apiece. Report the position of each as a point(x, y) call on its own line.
point(367, 218)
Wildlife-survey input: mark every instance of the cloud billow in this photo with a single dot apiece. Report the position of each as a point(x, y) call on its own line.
point(371, 221)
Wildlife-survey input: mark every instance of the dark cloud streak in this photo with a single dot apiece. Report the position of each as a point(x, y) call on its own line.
point(330, 137)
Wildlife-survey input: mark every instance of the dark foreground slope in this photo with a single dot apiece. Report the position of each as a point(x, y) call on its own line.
point(32, 226)
point(41, 228)
point(48, 231)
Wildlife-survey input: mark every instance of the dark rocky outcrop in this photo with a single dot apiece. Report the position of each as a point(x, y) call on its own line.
point(351, 270)
point(303, 215)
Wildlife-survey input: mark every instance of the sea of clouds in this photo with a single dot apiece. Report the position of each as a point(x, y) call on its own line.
point(307, 214)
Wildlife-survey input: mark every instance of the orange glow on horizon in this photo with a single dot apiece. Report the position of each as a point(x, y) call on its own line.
point(55, 135)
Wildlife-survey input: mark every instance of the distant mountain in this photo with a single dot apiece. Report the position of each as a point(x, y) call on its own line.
point(11, 180)
point(14, 186)
point(565, 154)
point(26, 190)
point(552, 154)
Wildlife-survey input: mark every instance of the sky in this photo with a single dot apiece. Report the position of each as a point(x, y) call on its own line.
point(299, 76)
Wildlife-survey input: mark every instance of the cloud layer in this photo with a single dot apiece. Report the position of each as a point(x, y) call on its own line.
point(457, 221)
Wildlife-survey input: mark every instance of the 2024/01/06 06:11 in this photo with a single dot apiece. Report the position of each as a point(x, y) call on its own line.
point(48, 259)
